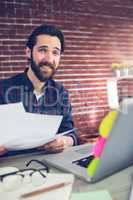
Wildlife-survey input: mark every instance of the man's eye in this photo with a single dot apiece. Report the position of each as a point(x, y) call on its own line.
point(56, 53)
point(42, 50)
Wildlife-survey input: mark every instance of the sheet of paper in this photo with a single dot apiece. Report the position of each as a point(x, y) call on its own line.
point(22, 130)
point(13, 107)
point(61, 134)
point(96, 195)
point(52, 179)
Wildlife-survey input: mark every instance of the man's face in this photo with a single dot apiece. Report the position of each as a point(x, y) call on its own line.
point(45, 56)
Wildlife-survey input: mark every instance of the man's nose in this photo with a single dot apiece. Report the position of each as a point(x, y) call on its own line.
point(49, 57)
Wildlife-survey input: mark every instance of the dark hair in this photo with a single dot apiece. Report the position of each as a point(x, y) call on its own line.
point(48, 30)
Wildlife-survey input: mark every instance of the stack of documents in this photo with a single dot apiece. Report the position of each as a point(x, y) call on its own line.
point(22, 130)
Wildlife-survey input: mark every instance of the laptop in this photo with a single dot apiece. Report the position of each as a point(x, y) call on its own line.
point(117, 153)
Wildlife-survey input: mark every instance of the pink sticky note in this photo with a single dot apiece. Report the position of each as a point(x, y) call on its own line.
point(98, 148)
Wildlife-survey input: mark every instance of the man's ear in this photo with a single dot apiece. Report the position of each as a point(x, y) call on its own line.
point(28, 52)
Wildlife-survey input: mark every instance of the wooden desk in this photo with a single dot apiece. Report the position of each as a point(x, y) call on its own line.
point(118, 185)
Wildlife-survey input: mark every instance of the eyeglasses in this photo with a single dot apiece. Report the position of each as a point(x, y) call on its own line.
point(16, 177)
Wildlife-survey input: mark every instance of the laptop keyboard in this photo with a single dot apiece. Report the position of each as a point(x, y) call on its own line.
point(84, 162)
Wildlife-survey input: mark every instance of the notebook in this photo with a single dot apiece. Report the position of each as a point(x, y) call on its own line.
point(95, 195)
point(62, 193)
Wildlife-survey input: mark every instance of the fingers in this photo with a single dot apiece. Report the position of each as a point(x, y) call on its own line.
point(3, 150)
point(55, 146)
point(54, 150)
point(58, 145)
point(51, 144)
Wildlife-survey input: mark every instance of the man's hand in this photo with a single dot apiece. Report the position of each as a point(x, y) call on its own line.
point(58, 145)
point(3, 150)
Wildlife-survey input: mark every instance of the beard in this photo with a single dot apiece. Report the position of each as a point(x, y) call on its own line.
point(39, 73)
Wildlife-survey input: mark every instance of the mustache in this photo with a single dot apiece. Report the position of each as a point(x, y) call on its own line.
point(42, 63)
point(48, 64)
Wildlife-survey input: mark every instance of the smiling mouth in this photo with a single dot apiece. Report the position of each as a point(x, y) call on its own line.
point(45, 67)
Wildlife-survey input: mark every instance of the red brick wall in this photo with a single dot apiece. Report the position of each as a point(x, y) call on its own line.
point(97, 34)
